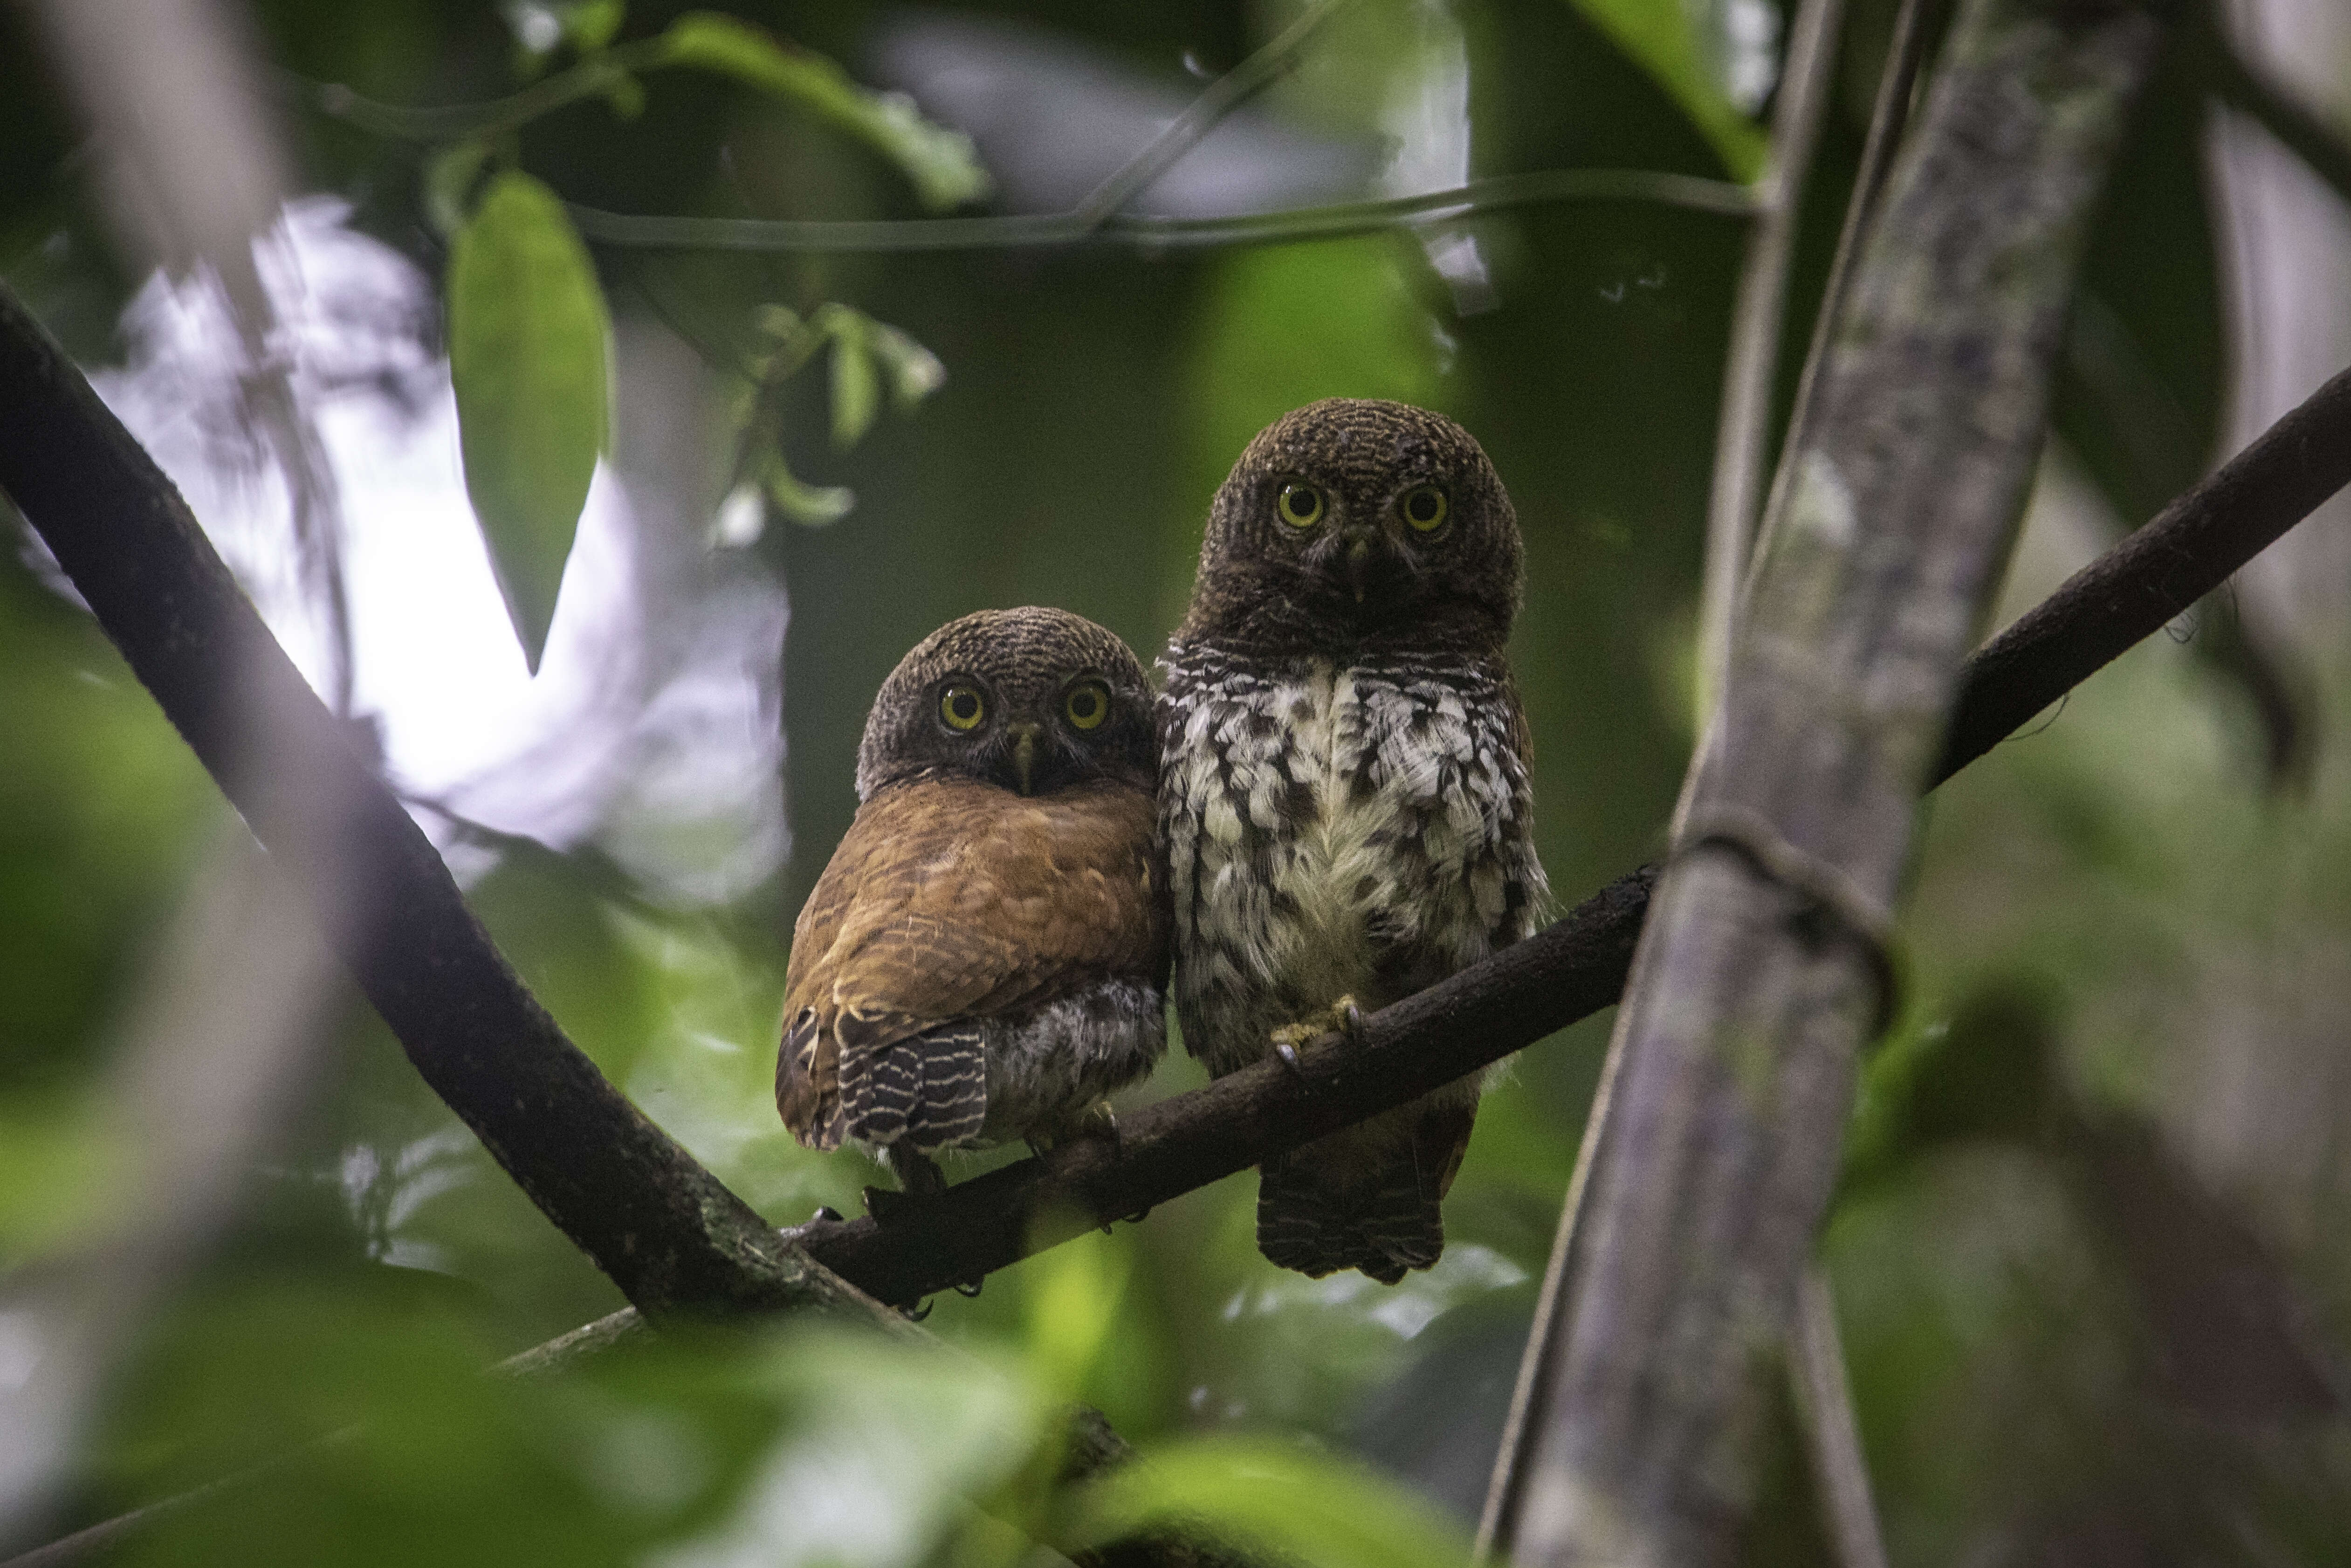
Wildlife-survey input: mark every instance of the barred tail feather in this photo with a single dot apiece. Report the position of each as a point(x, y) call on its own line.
point(929, 1090)
point(1385, 1221)
point(1383, 1229)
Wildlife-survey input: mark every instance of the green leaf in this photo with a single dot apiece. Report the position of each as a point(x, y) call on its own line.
point(1294, 1505)
point(529, 349)
point(811, 505)
point(591, 25)
point(1657, 36)
point(449, 181)
point(914, 371)
point(1072, 1303)
point(626, 96)
point(941, 162)
point(856, 390)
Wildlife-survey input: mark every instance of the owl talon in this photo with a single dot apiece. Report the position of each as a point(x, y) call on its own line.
point(918, 1175)
point(1347, 1017)
point(1288, 1053)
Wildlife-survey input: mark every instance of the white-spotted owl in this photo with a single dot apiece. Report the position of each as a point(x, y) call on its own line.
point(1343, 788)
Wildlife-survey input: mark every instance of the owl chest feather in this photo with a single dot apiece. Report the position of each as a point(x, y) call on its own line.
point(1335, 830)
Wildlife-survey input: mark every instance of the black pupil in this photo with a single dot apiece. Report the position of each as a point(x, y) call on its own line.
point(1422, 507)
point(1301, 503)
point(1083, 704)
point(964, 705)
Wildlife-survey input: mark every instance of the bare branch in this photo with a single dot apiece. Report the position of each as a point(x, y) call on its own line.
point(2320, 143)
point(1833, 1437)
point(1183, 133)
point(1066, 230)
point(1757, 313)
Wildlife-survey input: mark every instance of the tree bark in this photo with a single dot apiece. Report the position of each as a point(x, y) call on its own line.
point(1764, 966)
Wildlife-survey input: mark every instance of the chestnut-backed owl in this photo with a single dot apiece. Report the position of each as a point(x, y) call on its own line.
point(1343, 788)
point(983, 957)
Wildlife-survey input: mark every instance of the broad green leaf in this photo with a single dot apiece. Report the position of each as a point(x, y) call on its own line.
point(1296, 1506)
point(1658, 37)
point(941, 162)
point(529, 349)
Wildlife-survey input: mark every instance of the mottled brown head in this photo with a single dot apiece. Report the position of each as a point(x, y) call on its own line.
point(1354, 522)
point(1033, 700)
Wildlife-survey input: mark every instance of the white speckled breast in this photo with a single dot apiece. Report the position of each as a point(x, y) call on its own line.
point(1331, 830)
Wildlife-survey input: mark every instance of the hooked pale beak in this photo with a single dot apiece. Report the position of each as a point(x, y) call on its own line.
point(1359, 567)
point(1024, 750)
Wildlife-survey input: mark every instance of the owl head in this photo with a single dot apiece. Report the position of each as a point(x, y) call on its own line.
point(1033, 700)
point(1354, 521)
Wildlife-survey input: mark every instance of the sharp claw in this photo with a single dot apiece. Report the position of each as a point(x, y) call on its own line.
point(1289, 1055)
point(1349, 1017)
point(828, 1215)
point(969, 1288)
point(916, 1314)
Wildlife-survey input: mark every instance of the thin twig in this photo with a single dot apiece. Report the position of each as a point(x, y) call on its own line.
point(593, 78)
point(1224, 95)
point(1816, 1372)
point(2319, 142)
point(1757, 313)
point(1063, 230)
point(1896, 85)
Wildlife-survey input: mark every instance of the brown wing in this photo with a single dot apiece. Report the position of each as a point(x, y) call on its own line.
point(952, 899)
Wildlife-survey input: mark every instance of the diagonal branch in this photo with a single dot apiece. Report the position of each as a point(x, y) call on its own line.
point(667, 1231)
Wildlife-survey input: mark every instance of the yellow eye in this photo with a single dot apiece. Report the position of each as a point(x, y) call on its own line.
point(963, 707)
point(1424, 507)
point(1087, 704)
point(1300, 505)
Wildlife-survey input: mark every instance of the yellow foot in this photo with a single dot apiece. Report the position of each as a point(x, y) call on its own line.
point(1342, 1017)
point(1097, 1121)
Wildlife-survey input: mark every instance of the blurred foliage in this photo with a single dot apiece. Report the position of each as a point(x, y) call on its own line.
point(2127, 956)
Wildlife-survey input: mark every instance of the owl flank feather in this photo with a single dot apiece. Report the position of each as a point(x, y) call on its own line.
point(1344, 787)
